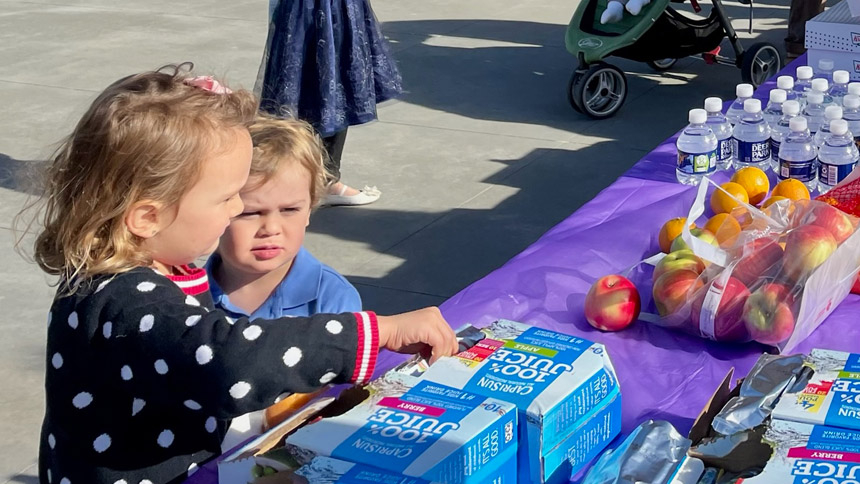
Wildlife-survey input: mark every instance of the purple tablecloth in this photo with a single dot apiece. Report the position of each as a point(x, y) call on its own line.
point(663, 375)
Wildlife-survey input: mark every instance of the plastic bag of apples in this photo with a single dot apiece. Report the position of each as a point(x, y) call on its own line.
point(791, 264)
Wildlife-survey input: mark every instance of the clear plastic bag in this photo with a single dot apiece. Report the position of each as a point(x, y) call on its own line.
point(773, 280)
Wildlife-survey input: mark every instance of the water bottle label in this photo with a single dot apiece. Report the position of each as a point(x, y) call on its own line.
point(697, 163)
point(724, 149)
point(774, 149)
point(832, 174)
point(799, 170)
point(752, 152)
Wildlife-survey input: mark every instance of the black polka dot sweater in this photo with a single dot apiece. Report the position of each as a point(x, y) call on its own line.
point(144, 375)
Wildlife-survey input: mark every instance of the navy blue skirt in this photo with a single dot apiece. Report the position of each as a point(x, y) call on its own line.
point(327, 63)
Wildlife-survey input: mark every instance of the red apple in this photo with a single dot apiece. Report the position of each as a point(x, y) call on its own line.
point(612, 303)
point(762, 259)
point(680, 259)
point(767, 314)
point(728, 321)
point(855, 289)
point(672, 289)
point(705, 235)
point(806, 248)
point(832, 219)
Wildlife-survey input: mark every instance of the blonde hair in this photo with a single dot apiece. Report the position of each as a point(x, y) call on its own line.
point(280, 142)
point(143, 138)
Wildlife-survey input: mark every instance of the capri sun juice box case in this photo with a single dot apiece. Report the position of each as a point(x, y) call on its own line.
point(564, 387)
point(832, 396)
point(417, 428)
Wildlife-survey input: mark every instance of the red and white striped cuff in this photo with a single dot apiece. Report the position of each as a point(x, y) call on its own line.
point(368, 347)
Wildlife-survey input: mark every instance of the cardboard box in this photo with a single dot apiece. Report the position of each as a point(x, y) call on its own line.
point(832, 396)
point(835, 34)
point(563, 386)
point(417, 428)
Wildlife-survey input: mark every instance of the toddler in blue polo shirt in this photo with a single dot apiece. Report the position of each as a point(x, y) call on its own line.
point(261, 269)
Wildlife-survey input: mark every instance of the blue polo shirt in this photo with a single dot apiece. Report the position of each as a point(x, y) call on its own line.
point(310, 287)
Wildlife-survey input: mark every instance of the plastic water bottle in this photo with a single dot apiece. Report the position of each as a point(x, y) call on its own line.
point(773, 111)
point(722, 130)
point(840, 86)
point(697, 150)
point(837, 157)
point(825, 70)
point(778, 132)
point(822, 86)
point(832, 113)
point(751, 145)
point(854, 88)
point(797, 155)
point(803, 83)
point(736, 110)
point(786, 83)
point(851, 115)
point(814, 111)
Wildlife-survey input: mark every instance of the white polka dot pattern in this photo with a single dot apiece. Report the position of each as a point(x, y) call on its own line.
point(73, 320)
point(126, 373)
point(203, 354)
point(102, 443)
point(136, 406)
point(192, 405)
point(334, 327)
point(52, 441)
point(82, 400)
point(146, 286)
point(121, 481)
point(50, 477)
point(65, 481)
point(102, 285)
point(192, 469)
point(192, 320)
point(145, 481)
point(327, 377)
point(107, 329)
point(240, 389)
point(192, 301)
point(165, 438)
point(292, 357)
point(57, 361)
point(252, 332)
point(146, 323)
point(161, 367)
point(210, 424)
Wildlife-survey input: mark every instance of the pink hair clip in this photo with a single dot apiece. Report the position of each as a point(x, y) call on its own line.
point(208, 83)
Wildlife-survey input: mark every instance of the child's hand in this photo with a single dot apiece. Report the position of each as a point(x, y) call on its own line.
point(424, 331)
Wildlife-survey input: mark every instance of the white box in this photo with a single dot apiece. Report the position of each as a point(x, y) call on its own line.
point(835, 35)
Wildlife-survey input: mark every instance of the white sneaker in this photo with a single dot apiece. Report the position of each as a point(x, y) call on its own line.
point(364, 196)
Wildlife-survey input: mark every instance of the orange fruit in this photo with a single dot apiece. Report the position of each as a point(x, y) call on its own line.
point(722, 202)
point(754, 181)
point(670, 231)
point(725, 227)
point(770, 201)
point(791, 189)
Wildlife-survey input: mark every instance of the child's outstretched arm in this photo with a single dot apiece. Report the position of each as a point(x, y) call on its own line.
point(424, 331)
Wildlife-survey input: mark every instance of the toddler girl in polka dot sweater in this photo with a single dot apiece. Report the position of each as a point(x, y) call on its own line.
point(143, 374)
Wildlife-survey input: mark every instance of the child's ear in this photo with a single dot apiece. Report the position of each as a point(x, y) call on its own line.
point(145, 218)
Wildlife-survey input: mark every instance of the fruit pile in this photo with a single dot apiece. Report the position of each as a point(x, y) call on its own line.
point(771, 247)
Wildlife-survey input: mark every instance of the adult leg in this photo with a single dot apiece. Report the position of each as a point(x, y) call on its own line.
point(334, 146)
point(799, 13)
point(338, 192)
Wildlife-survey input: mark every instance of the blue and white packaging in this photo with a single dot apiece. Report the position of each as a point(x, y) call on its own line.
point(564, 387)
point(417, 428)
point(810, 454)
point(325, 470)
point(832, 396)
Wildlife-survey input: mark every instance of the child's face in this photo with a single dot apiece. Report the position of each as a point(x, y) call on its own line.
point(205, 211)
point(269, 232)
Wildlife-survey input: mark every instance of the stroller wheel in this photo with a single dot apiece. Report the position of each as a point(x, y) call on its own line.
point(598, 92)
point(571, 89)
point(662, 64)
point(760, 62)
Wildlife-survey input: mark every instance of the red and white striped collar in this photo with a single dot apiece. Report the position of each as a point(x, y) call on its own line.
point(193, 282)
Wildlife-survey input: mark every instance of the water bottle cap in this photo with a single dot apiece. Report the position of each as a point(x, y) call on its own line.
point(851, 101)
point(785, 82)
point(841, 77)
point(854, 88)
point(797, 124)
point(713, 104)
point(825, 64)
point(698, 116)
point(833, 112)
point(752, 106)
point(804, 72)
point(815, 97)
point(820, 85)
point(793, 107)
point(744, 90)
point(839, 127)
point(778, 96)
